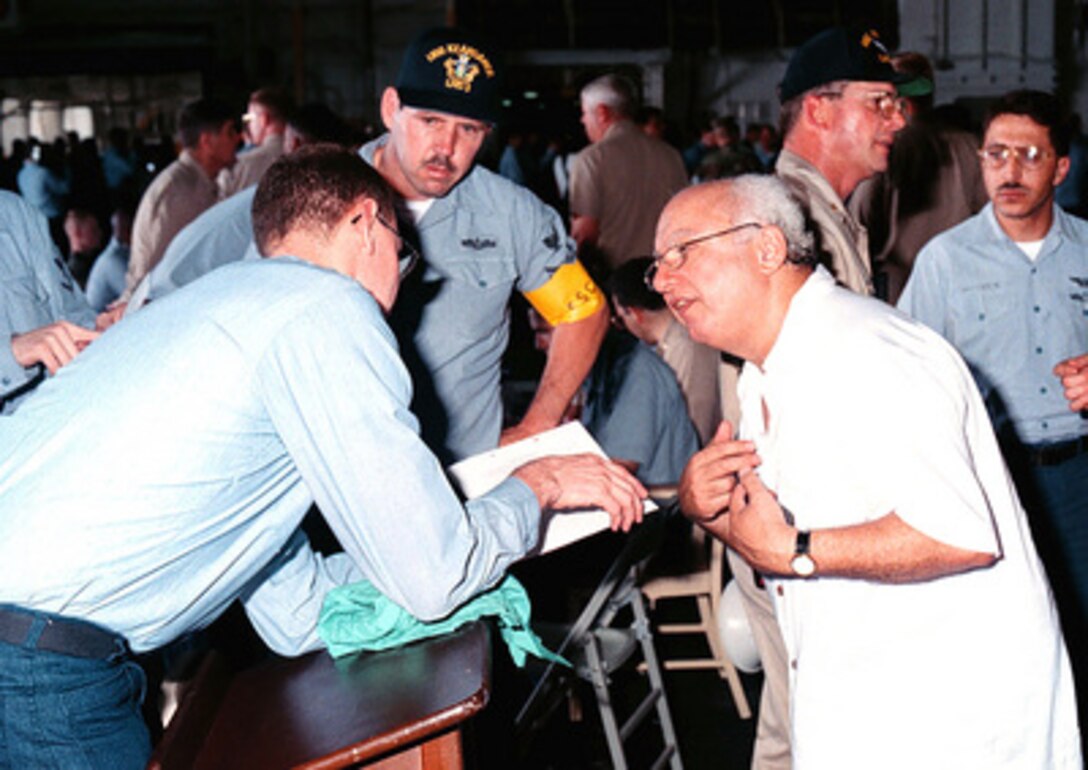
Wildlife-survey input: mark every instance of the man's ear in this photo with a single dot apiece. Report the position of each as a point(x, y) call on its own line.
point(771, 249)
point(1061, 170)
point(389, 105)
point(205, 139)
point(363, 214)
point(816, 109)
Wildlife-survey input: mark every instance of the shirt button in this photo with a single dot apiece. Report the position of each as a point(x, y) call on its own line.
point(982, 316)
point(1045, 424)
point(781, 591)
point(1036, 308)
point(1042, 389)
point(1039, 349)
point(793, 664)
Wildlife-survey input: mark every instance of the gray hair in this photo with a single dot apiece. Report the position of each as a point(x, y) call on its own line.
point(613, 91)
point(767, 199)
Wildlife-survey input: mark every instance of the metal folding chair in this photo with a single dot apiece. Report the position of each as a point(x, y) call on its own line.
point(608, 632)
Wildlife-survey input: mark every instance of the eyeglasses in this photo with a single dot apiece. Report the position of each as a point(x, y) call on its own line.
point(407, 254)
point(886, 105)
point(996, 155)
point(675, 256)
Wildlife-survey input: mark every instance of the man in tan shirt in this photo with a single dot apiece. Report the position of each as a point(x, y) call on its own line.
point(621, 182)
point(209, 140)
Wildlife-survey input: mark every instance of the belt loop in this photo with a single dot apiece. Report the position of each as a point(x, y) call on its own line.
point(120, 652)
point(34, 633)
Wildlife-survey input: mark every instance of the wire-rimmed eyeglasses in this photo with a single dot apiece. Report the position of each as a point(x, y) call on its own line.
point(407, 254)
point(675, 256)
point(997, 155)
point(886, 105)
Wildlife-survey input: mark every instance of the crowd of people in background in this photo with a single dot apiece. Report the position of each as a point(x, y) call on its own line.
point(626, 223)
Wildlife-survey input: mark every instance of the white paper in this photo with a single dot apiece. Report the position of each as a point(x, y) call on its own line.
point(479, 474)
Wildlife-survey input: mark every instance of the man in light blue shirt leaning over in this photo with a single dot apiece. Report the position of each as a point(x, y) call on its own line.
point(135, 509)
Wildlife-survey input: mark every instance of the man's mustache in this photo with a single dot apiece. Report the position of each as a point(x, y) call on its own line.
point(440, 160)
point(1012, 186)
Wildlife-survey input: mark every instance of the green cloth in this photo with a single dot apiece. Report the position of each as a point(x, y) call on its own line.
point(359, 617)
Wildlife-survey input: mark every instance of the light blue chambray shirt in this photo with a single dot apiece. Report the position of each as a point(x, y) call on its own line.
point(106, 281)
point(1011, 319)
point(485, 239)
point(36, 290)
point(635, 410)
point(165, 471)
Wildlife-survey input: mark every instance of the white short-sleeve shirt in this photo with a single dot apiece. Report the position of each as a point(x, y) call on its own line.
point(870, 413)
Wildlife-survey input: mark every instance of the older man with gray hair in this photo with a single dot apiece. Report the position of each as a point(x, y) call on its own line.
point(895, 549)
point(620, 183)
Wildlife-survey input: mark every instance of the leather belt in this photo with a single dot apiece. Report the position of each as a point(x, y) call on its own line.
point(61, 635)
point(1056, 453)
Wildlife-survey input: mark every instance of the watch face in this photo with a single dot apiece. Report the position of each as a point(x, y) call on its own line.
point(803, 565)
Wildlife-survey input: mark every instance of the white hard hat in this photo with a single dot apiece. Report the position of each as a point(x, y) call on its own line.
point(735, 632)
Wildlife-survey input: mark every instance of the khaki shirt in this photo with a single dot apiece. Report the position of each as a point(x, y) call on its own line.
point(844, 241)
point(696, 369)
point(624, 181)
point(175, 198)
point(250, 166)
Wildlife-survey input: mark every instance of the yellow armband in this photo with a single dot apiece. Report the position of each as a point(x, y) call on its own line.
point(570, 295)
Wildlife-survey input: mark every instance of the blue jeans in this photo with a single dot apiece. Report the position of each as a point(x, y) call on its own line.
point(59, 711)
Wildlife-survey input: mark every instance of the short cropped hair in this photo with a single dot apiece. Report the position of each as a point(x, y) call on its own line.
point(790, 110)
point(202, 116)
point(627, 285)
point(613, 91)
point(276, 102)
point(311, 189)
point(1041, 107)
point(767, 200)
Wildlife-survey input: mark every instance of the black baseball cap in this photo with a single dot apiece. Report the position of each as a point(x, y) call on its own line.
point(841, 53)
point(450, 70)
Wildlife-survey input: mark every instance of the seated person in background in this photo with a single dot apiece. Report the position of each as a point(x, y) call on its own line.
point(632, 404)
point(45, 319)
point(643, 312)
point(136, 509)
point(85, 241)
point(107, 278)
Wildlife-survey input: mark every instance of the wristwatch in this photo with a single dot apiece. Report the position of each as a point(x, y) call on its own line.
point(801, 563)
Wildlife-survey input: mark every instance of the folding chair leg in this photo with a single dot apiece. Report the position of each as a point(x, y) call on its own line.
point(657, 682)
point(599, 677)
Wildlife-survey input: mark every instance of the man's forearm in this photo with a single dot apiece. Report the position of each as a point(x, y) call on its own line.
point(889, 550)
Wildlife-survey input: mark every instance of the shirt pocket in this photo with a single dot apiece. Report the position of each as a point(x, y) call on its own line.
point(25, 304)
point(988, 323)
point(473, 295)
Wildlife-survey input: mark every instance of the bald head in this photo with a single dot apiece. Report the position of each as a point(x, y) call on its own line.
point(731, 255)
